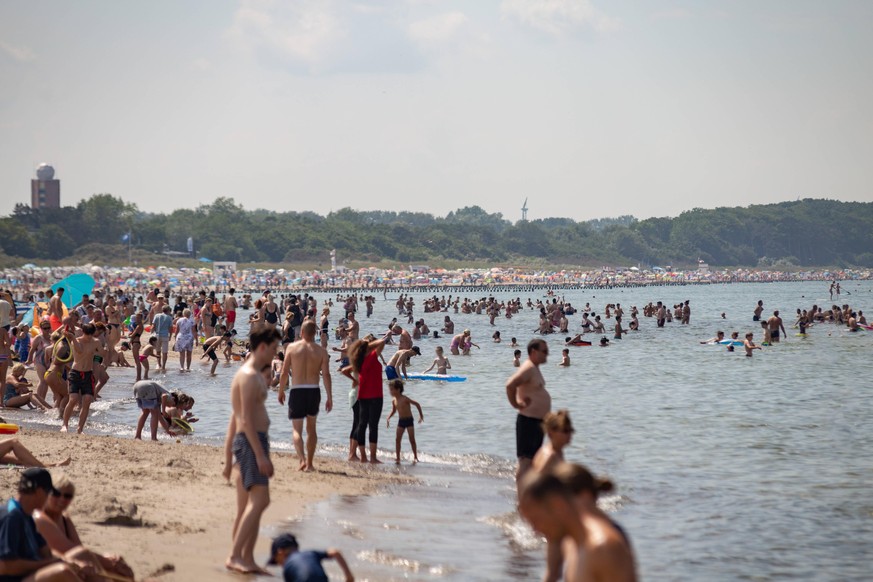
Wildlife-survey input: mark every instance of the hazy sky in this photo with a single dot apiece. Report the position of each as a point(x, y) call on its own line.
point(589, 108)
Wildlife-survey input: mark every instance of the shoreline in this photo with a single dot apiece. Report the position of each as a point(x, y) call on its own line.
point(136, 498)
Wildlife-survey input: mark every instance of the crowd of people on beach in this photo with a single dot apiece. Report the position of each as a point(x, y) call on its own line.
point(72, 350)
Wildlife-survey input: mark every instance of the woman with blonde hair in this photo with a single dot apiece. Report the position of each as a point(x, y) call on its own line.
point(559, 429)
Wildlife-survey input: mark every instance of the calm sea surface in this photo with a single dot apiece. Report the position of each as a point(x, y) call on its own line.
point(728, 468)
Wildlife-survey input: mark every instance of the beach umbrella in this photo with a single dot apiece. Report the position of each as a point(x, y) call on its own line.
point(74, 287)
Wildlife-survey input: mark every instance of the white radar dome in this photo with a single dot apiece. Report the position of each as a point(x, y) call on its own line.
point(45, 172)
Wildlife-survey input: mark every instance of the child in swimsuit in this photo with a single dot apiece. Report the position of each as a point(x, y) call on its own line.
point(149, 351)
point(441, 363)
point(402, 405)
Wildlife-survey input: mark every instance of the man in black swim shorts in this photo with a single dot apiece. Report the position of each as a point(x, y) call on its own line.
point(526, 391)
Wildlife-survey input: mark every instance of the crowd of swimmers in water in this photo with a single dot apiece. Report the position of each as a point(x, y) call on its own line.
point(73, 350)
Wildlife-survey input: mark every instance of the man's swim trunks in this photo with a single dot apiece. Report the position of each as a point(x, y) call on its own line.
point(248, 464)
point(390, 372)
point(82, 382)
point(303, 401)
point(528, 436)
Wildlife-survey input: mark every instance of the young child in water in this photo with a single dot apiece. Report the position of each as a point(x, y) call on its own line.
point(750, 345)
point(148, 352)
point(516, 358)
point(565, 360)
point(441, 363)
point(402, 405)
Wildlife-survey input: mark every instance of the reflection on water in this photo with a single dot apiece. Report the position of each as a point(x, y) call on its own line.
point(727, 467)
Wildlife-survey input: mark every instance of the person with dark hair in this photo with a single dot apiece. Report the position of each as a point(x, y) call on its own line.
point(591, 547)
point(24, 553)
point(526, 391)
point(364, 359)
point(247, 441)
point(82, 374)
point(54, 523)
point(300, 566)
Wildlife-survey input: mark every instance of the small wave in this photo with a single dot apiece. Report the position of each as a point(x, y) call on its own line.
point(515, 530)
point(612, 503)
point(388, 559)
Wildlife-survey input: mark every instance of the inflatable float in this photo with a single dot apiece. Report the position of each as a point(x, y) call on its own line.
point(442, 377)
point(7, 428)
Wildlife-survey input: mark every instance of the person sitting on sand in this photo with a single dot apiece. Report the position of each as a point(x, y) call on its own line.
point(12, 452)
point(300, 566)
point(26, 555)
point(54, 523)
point(17, 392)
point(119, 359)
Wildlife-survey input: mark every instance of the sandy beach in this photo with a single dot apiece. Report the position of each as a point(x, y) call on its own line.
point(165, 506)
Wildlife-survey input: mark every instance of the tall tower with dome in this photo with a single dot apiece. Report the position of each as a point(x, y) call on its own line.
point(45, 191)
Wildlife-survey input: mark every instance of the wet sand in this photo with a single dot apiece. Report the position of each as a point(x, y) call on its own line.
point(165, 506)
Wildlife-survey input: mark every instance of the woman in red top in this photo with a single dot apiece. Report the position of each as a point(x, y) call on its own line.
point(364, 358)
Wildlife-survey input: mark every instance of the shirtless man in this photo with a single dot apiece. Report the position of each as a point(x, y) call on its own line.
point(396, 367)
point(307, 362)
point(353, 328)
point(82, 375)
point(405, 341)
point(56, 309)
point(526, 391)
point(248, 441)
point(591, 546)
point(774, 324)
point(230, 306)
point(759, 309)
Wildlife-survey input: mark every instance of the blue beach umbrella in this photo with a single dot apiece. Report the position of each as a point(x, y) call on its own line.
point(74, 287)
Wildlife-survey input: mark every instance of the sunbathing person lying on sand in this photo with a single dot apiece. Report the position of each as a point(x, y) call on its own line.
point(12, 452)
point(54, 524)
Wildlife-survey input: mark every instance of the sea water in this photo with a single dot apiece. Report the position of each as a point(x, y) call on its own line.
point(726, 467)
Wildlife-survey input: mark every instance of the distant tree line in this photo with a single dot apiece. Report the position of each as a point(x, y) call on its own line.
point(802, 233)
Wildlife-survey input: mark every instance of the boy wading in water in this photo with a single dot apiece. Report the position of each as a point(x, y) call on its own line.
point(248, 441)
point(402, 405)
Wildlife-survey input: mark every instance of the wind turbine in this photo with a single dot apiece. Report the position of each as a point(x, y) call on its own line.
point(524, 211)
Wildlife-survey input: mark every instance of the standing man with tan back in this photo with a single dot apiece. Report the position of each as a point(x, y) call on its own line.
point(307, 363)
point(85, 348)
point(249, 442)
point(526, 391)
